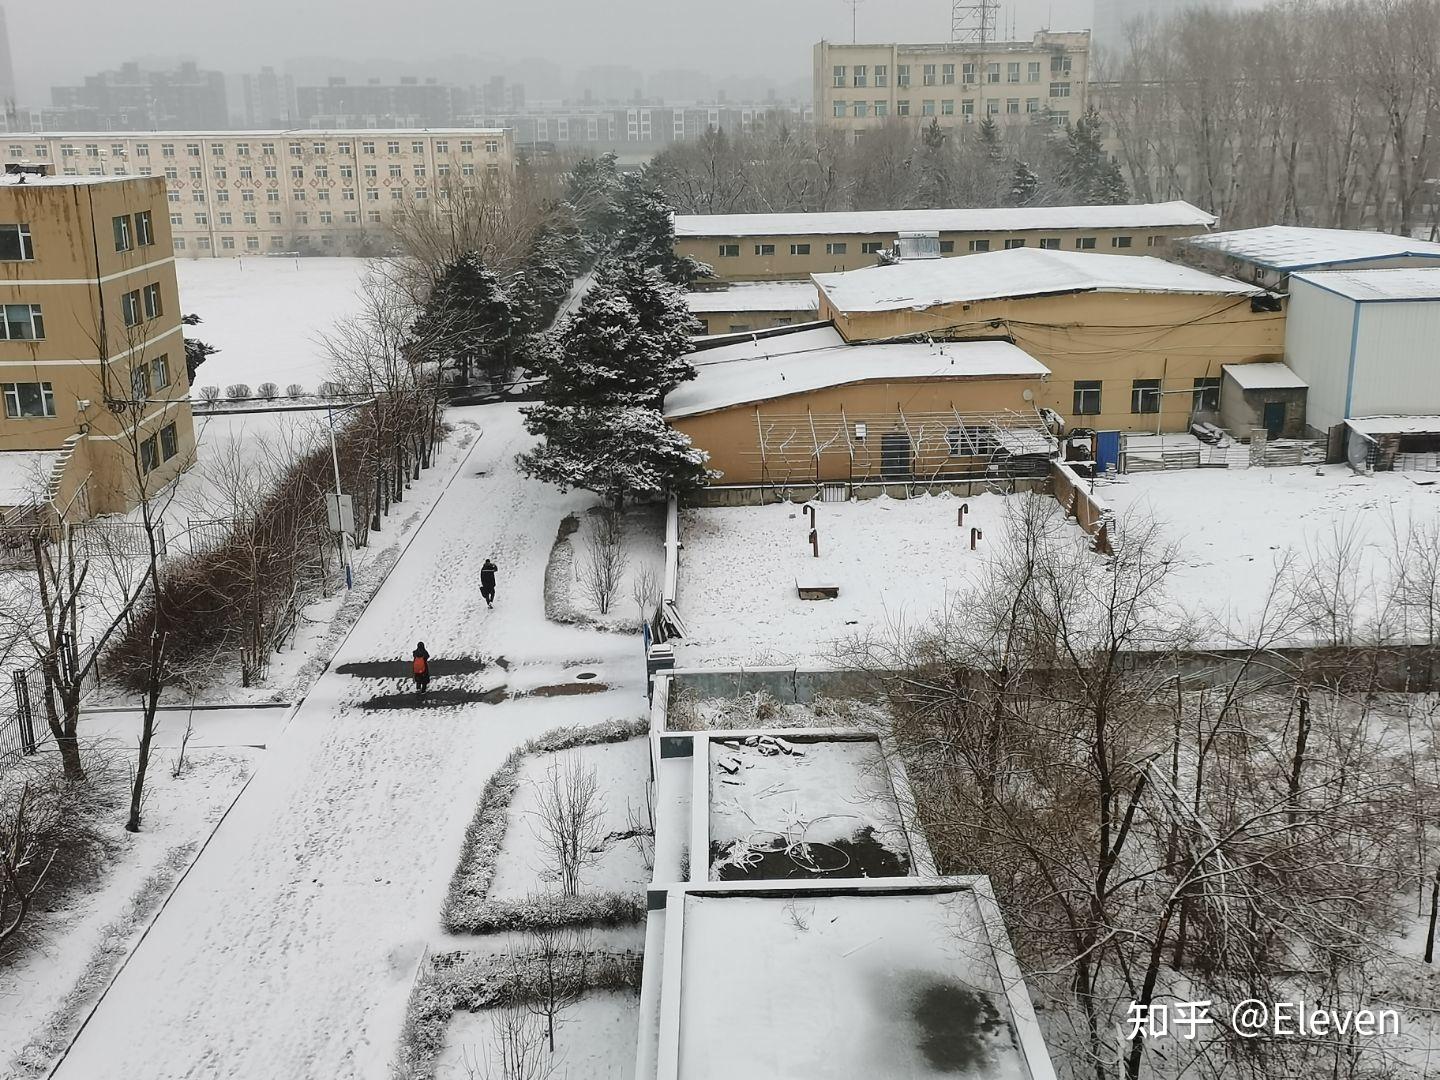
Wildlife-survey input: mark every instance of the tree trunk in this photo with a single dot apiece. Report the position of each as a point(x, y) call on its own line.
point(1302, 736)
point(147, 728)
point(1434, 910)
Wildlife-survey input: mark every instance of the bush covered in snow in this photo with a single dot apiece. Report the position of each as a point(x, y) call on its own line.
point(237, 391)
point(294, 390)
point(467, 909)
point(268, 391)
point(209, 394)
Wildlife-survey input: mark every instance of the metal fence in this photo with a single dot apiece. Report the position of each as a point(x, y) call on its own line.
point(208, 534)
point(92, 539)
point(24, 728)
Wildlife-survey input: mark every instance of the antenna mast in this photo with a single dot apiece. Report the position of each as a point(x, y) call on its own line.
point(973, 21)
point(854, 6)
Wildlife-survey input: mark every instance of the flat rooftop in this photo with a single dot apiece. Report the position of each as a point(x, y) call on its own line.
point(334, 133)
point(1015, 273)
point(1264, 375)
point(1403, 283)
point(33, 180)
point(1288, 247)
point(983, 219)
point(756, 296)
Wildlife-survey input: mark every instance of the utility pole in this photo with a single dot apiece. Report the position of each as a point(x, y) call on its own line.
point(854, 9)
point(344, 534)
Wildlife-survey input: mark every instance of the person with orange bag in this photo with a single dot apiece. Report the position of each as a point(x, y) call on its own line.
point(420, 666)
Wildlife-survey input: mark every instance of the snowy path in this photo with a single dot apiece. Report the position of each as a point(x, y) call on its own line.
point(289, 950)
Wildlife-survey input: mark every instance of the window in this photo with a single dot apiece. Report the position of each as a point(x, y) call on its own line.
point(947, 107)
point(139, 383)
point(1012, 244)
point(967, 72)
point(202, 219)
point(860, 75)
point(1012, 71)
point(242, 149)
point(152, 301)
point(1085, 243)
point(149, 455)
point(927, 108)
point(992, 73)
point(836, 248)
point(862, 109)
point(417, 147)
point(992, 108)
point(839, 108)
point(342, 148)
point(203, 243)
point(947, 74)
point(347, 172)
point(177, 219)
point(1145, 396)
point(1059, 89)
point(224, 218)
point(882, 108)
point(799, 249)
point(1120, 241)
point(160, 372)
point(902, 107)
point(1032, 71)
point(222, 196)
point(1059, 65)
point(928, 76)
point(372, 195)
point(1032, 105)
point(1154, 241)
point(419, 171)
point(902, 74)
point(130, 307)
point(367, 147)
point(144, 229)
point(979, 245)
point(15, 243)
point(1050, 243)
point(248, 217)
point(267, 149)
point(947, 247)
point(297, 172)
point(967, 110)
point(172, 173)
point(1012, 106)
point(121, 228)
point(298, 195)
point(871, 247)
point(1087, 397)
point(193, 149)
point(1207, 395)
point(252, 243)
point(372, 216)
point(271, 172)
point(352, 217)
point(272, 196)
point(882, 75)
point(302, 219)
point(729, 251)
point(178, 243)
point(277, 241)
point(467, 146)
point(327, 217)
point(395, 172)
point(23, 322)
point(318, 149)
point(295, 150)
point(167, 149)
point(196, 173)
point(764, 249)
point(838, 75)
point(274, 218)
point(27, 399)
point(169, 442)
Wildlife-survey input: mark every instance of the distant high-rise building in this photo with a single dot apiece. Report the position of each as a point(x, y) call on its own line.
point(1114, 17)
point(269, 99)
point(410, 103)
point(7, 69)
point(132, 99)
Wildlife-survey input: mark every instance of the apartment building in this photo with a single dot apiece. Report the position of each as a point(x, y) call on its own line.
point(777, 247)
point(311, 192)
point(135, 99)
point(634, 128)
point(861, 87)
point(92, 360)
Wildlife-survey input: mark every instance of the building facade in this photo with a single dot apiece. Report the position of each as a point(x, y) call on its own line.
point(410, 103)
point(861, 87)
point(133, 99)
point(764, 247)
point(311, 192)
point(92, 358)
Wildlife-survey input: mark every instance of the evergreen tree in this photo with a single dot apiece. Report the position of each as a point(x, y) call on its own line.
point(936, 179)
point(470, 320)
point(1024, 183)
point(557, 254)
point(195, 350)
point(647, 232)
point(1085, 168)
point(591, 189)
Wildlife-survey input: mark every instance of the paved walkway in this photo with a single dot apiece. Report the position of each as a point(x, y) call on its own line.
point(289, 951)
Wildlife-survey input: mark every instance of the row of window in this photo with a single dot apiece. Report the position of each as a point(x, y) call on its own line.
point(947, 247)
point(864, 108)
point(321, 172)
point(141, 305)
point(1145, 395)
point(151, 454)
point(36, 400)
point(264, 149)
point(147, 378)
point(252, 243)
point(133, 230)
point(863, 75)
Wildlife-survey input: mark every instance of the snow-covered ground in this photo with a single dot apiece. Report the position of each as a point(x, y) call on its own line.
point(265, 315)
point(1234, 527)
point(290, 948)
point(894, 560)
point(594, 1039)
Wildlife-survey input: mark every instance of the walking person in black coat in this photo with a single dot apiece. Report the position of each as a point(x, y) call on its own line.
point(487, 583)
point(420, 667)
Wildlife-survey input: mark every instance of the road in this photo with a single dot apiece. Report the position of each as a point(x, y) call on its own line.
point(289, 950)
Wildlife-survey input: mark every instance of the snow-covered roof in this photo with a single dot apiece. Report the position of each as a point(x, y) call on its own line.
point(756, 296)
point(255, 133)
point(1402, 283)
point(1015, 272)
point(36, 180)
point(1288, 247)
point(742, 379)
point(1266, 375)
point(23, 474)
point(980, 219)
point(1395, 425)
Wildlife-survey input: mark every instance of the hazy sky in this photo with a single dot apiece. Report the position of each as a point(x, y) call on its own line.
point(58, 41)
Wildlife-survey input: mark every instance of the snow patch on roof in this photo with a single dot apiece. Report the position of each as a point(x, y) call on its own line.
point(1015, 272)
point(981, 219)
point(1287, 247)
point(1267, 375)
point(1404, 283)
point(756, 296)
point(1395, 425)
point(743, 378)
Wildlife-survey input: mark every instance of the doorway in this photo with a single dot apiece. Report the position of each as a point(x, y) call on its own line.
point(895, 457)
point(1274, 418)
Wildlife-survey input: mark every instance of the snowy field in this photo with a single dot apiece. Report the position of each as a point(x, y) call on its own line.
point(265, 315)
point(594, 1039)
point(1234, 527)
point(894, 560)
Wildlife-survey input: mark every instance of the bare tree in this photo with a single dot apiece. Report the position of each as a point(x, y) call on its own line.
point(557, 966)
point(516, 1050)
point(24, 865)
point(568, 820)
point(604, 561)
point(646, 589)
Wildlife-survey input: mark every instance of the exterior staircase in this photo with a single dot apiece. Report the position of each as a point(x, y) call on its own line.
point(56, 482)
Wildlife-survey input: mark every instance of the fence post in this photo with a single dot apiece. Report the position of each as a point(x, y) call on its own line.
point(23, 713)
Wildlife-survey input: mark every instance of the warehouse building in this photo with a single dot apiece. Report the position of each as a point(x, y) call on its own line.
point(1268, 256)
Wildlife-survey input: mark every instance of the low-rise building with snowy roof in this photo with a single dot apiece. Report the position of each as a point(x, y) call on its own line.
point(1132, 343)
point(753, 305)
point(1268, 256)
point(759, 247)
point(810, 408)
point(1364, 341)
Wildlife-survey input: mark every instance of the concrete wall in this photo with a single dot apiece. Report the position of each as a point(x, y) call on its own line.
point(763, 494)
point(1319, 333)
point(1396, 368)
point(736, 322)
point(1241, 410)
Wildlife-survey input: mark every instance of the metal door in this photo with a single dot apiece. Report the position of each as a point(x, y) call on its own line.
point(895, 458)
point(1107, 451)
point(1274, 418)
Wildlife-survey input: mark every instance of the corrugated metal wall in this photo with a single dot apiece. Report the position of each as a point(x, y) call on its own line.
point(1397, 368)
point(1318, 328)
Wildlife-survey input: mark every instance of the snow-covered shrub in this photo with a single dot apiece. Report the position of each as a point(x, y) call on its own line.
point(330, 389)
point(209, 394)
point(268, 391)
point(294, 390)
point(237, 391)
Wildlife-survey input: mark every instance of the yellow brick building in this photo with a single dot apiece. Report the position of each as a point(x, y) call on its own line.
point(92, 360)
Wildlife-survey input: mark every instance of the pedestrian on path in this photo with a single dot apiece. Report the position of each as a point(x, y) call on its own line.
point(487, 583)
point(420, 666)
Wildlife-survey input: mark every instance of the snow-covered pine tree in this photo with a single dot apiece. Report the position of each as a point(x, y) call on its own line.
point(1024, 184)
point(469, 320)
point(195, 350)
point(620, 453)
point(647, 232)
point(1086, 169)
point(591, 189)
point(936, 168)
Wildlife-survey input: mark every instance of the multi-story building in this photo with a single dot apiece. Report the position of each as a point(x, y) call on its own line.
point(269, 100)
point(761, 247)
point(131, 99)
point(861, 87)
point(313, 192)
point(372, 104)
point(92, 361)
